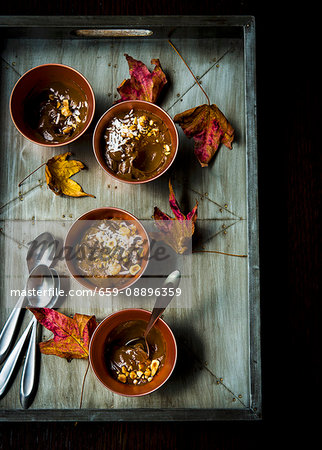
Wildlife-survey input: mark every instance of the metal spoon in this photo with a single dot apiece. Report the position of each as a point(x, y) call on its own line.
point(40, 281)
point(161, 302)
point(41, 251)
point(28, 378)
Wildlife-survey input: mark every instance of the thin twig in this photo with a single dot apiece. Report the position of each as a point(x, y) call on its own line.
point(174, 48)
point(220, 253)
point(81, 399)
point(31, 174)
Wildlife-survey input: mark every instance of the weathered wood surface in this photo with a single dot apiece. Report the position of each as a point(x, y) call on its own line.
point(213, 369)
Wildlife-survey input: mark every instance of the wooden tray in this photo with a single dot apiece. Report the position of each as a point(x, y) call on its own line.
point(218, 373)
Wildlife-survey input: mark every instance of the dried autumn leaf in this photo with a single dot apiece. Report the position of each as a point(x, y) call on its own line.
point(208, 126)
point(71, 335)
point(143, 84)
point(177, 231)
point(58, 172)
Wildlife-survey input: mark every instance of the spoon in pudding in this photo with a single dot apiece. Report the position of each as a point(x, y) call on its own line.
point(162, 301)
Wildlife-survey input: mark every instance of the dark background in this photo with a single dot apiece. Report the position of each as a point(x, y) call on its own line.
point(289, 204)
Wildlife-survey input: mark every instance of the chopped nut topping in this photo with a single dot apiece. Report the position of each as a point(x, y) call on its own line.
point(122, 378)
point(147, 373)
point(154, 366)
point(142, 120)
point(115, 269)
point(125, 231)
point(65, 109)
point(135, 269)
point(67, 129)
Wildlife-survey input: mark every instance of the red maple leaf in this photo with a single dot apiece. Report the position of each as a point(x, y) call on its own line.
point(143, 84)
point(71, 335)
point(207, 125)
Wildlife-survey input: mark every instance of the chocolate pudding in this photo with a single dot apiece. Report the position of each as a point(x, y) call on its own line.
point(137, 145)
point(130, 363)
point(56, 112)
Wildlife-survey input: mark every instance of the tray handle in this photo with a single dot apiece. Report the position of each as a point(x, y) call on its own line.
point(107, 33)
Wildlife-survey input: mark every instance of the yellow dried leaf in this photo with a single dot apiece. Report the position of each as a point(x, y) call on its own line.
point(58, 172)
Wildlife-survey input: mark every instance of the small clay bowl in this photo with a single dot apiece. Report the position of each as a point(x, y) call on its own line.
point(97, 353)
point(29, 87)
point(125, 107)
point(75, 234)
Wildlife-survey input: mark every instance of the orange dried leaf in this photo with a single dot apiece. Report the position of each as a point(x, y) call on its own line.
point(71, 335)
point(143, 84)
point(58, 172)
point(208, 126)
point(177, 231)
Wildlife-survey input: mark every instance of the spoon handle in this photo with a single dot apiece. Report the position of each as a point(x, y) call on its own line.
point(28, 384)
point(160, 305)
point(9, 329)
point(162, 301)
point(10, 364)
point(156, 313)
point(28, 377)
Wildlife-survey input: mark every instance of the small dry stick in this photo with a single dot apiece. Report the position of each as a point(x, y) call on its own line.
point(31, 174)
point(81, 399)
point(174, 48)
point(220, 253)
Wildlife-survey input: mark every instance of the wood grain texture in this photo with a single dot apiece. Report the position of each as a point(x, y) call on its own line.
point(212, 327)
point(289, 174)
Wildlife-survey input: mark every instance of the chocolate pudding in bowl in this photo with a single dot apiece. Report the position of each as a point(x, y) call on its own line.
point(52, 105)
point(56, 112)
point(130, 363)
point(125, 369)
point(137, 145)
point(135, 141)
point(107, 249)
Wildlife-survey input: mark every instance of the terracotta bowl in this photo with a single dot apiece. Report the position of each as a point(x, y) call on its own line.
point(124, 107)
point(97, 347)
point(76, 233)
point(38, 79)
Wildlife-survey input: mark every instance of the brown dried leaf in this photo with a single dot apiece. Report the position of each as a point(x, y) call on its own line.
point(177, 231)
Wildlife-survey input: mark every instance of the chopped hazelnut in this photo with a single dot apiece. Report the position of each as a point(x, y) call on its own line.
point(67, 129)
point(121, 377)
point(154, 366)
point(125, 231)
point(134, 270)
